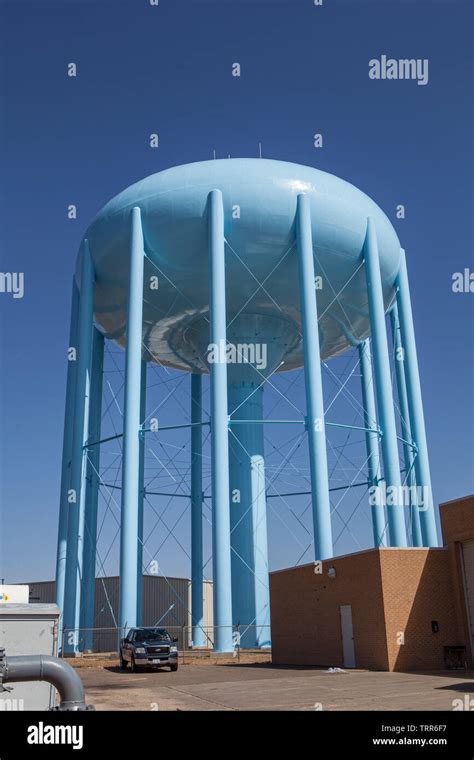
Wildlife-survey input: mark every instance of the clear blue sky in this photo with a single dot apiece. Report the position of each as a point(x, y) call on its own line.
point(167, 69)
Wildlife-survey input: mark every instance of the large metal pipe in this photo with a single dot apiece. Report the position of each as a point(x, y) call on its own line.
point(44, 668)
point(219, 430)
point(372, 440)
point(391, 462)
point(408, 455)
point(92, 492)
point(415, 404)
point(323, 547)
point(67, 454)
point(248, 516)
point(141, 493)
point(131, 431)
point(77, 491)
point(197, 605)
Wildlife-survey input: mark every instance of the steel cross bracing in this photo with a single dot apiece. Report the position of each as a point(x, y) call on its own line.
point(290, 469)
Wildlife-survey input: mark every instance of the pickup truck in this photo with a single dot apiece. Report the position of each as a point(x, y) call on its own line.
point(148, 647)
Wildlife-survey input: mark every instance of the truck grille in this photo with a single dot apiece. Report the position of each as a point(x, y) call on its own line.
point(158, 650)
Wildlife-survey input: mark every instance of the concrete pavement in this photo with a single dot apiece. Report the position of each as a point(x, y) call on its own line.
point(268, 687)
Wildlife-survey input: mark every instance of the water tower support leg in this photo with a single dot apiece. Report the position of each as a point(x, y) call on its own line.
point(406, 427)
point(92, 492)
point(77, 493)
point(219, 431)
point(141, 496)
point(248, 516)
point(313, 383)
point(415, 405)
point(67, 453)
point(197, 616)
point(371, 440)
point(131, 432)
point(395, 506)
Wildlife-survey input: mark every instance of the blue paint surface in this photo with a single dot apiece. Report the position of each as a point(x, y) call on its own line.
point(259, 208)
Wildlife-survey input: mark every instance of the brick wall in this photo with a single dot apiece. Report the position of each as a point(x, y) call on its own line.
point(391, 592)
point(306, 626)
point(418, 589)
point(457, 525)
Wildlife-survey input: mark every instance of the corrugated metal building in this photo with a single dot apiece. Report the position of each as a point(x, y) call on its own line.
point(166, 601)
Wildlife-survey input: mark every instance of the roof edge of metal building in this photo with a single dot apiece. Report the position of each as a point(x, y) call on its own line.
point(31, 608)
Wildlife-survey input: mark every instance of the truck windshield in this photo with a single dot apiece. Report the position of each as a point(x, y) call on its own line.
point(157, 634)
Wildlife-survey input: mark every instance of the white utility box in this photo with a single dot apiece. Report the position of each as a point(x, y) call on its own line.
point(29, 629)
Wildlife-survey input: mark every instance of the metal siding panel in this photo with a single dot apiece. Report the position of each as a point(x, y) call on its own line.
point(106, 597)
point(208, 604)
point(159, 595)
point(42, 592)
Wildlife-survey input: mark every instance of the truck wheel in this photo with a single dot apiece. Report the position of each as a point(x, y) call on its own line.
point(174, 668)
point(133, 666)
point(123, 664)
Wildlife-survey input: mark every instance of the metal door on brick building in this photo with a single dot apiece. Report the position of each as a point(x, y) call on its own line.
point(347, 636)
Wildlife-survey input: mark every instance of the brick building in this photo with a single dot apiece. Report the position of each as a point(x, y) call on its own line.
point(383, 609)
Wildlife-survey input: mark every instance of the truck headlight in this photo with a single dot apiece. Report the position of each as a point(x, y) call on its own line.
point(173, 649)
point(140, 650)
